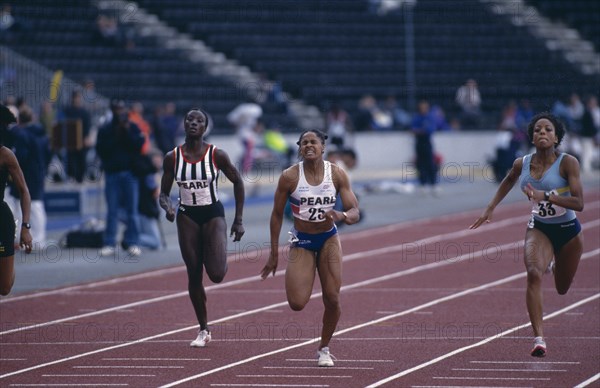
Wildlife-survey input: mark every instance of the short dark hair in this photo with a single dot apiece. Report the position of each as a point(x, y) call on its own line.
point(198, 110)
point(6, 118)
point(320, 134)
point(559, 126)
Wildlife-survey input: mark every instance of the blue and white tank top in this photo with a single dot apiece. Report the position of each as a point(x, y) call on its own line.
point(310, 203)
point(198, 180)
point(551, 181)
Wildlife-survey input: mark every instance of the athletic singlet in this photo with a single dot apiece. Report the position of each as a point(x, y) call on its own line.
point(551, 181)
point(310, 203)
point(197, 181)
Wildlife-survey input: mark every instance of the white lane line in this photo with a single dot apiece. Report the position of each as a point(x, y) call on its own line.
point(276, 305)
point(527, 362)
point(165, 271)
point(492, 378)
point(313, 360)
point(509, 370)
point(462, 386)
point(297, 376)
point(122, 279)
point(77, 356)
point(91, 375)
point(313, 368)
point(483, 342)
point(417, 308)
point(69, 385)
point(587, 382)
point(128, 367)
point(160, 272)
point(350, 257)
point(270, 385)
point(153, 359)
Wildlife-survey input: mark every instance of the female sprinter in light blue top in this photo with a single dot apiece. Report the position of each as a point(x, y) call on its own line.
point(311, 187)
point(553, 240)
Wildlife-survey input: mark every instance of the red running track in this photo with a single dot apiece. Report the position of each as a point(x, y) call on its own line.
point(424, 304)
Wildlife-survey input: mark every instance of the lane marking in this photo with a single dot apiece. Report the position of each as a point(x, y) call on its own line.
point(276, 305)
point(405, 312)
point(509, 370)
point(359, 234)
point(493, 378)
point(588, 381)
point(483, 342)
point(250, 312)
point(349, 257)
point(103, 375)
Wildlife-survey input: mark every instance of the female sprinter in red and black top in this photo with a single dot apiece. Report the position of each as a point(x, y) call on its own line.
point(201, 226)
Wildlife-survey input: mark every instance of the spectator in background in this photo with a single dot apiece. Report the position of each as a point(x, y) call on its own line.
point(244, 118)
point(590, 127)
point(119, 143)
point(401, 118)
point(423, 126)
point(370, 117)
point(275, 142)
point(9, 24)
point(575, 110)
point(136, 116)
point(468, 99)
point(48, 117)
point(150, 236)
point(76, 157)
point(165, 125)
point(339, 126)
point(32, 148)
point(507, 144)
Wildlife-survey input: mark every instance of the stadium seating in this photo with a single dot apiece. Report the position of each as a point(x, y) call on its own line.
point(60, 37)
point(337, 50)
point(582, 15)
point(319, 51)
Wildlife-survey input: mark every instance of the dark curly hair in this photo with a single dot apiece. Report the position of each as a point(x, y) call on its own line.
point(559, 127)
point(320, 134)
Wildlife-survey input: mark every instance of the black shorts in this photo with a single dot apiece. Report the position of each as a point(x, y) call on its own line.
point(559, 234)
point(7, 231)
point(202, 214)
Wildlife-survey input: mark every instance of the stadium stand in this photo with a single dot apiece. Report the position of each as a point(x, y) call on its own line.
point(582, 15)
point(319, 51)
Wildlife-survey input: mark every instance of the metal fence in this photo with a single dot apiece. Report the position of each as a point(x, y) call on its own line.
point(23, 78)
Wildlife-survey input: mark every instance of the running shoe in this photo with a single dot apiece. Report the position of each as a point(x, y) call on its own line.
point(134, 250)
point(539, 347)
point(325, 358)
point(550, 268)
point(107, 250)
point(202, 339)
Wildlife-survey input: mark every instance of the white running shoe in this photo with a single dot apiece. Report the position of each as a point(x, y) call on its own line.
point(325, 358)
point(107, 250)
point(202, 339)
point(550, 268)
point(134, 250)
point(539, 347)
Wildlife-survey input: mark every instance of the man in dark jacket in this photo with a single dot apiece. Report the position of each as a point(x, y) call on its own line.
point(118, 145)
point(32, 149)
